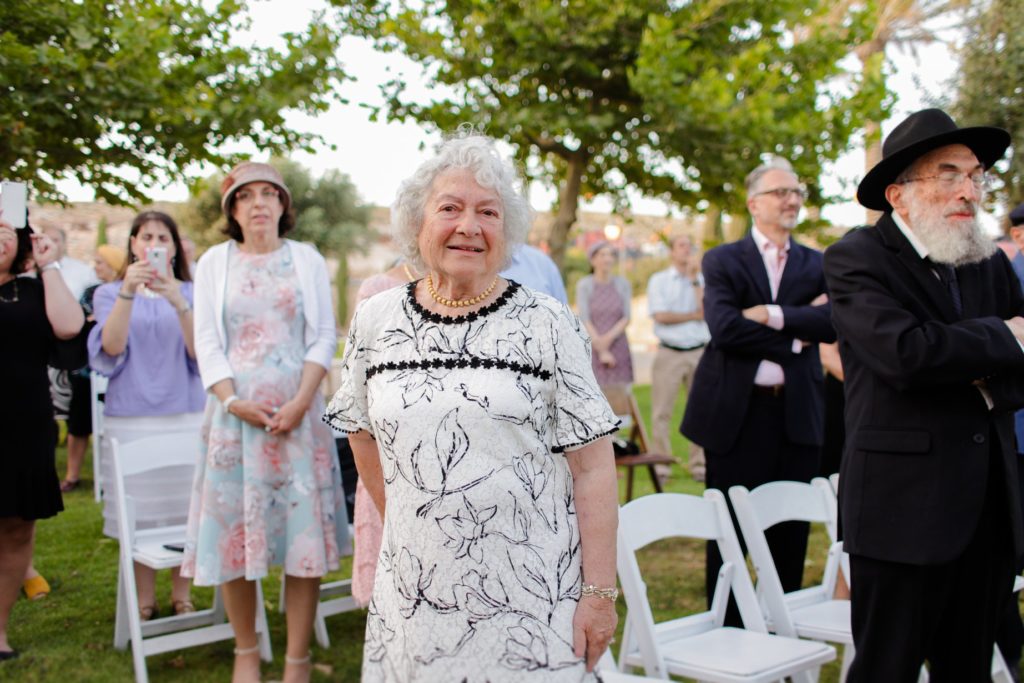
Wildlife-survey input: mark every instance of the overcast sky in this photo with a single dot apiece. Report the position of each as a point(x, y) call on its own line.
point(377, 156)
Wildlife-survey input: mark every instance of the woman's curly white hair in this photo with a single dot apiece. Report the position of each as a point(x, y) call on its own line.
point(465, 149)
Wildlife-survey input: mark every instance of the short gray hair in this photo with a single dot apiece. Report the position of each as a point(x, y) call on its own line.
point(773, 164)
point(465, 149)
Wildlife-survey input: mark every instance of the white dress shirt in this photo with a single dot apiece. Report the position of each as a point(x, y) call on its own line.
point(669, 291)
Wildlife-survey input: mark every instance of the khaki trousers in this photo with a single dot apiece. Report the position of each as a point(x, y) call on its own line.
point(672, 370)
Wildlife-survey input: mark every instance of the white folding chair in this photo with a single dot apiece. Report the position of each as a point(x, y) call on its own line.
point(610, 673)
point(97, 393)
point(699, 646)
point(335, 598)
point(149, 547)
point(810, 612)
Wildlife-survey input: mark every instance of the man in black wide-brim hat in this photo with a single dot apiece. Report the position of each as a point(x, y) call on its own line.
point(928, 313)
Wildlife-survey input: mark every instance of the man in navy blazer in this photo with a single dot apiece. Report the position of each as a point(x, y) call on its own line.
point(928, 312)
point(757, 404)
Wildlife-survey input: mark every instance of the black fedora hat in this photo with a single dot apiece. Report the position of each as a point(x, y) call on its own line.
point(919, 134)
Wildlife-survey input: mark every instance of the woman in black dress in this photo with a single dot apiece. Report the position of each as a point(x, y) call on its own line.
point(35, 313)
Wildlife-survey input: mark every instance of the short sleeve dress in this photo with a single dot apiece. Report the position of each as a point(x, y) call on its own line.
point(479, 572)
point(29, 487)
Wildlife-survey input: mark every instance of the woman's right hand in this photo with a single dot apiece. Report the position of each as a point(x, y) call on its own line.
point(138, 273)
point(606, 358)
point(253, 412)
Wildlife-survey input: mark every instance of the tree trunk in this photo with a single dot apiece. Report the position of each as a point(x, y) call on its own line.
point(872, 56)
point(341, 289)
point(738, 227)
point(711, 231)
point(568, 203)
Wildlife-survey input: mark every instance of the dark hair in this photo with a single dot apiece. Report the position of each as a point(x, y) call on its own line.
point(234, 230)
point(24, 252)
point(179, 264)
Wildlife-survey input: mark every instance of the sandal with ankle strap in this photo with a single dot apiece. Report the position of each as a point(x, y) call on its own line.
point(182, 607)
point(241, 652)
point(299, 660)
point(149, 612)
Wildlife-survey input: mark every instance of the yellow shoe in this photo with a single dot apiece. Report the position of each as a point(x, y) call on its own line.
point(36, 587)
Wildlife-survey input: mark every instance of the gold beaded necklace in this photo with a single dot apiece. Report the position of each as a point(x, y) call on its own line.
point(459, 303)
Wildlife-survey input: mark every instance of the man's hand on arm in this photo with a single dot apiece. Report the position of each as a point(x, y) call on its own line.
point(1016, 325)
point(758, 314)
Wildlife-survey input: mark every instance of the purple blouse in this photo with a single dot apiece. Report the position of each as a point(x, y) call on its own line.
point(154, 375)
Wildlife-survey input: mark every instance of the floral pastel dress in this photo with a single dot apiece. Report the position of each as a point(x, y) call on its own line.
point(260, 499)
point(479, 572)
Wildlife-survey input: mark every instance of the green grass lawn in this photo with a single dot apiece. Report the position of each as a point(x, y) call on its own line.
point(68, 636)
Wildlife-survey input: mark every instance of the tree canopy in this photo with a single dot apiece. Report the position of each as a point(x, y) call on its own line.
point(597, 96)
point(989, 87)
point(725, 83)
point(120, 94)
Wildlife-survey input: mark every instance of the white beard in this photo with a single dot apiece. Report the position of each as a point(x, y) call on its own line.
point(953, 243)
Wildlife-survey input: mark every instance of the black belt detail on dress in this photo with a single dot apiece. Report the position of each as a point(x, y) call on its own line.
point(682, 348)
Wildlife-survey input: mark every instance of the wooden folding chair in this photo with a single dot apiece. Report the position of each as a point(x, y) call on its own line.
point(699, 646)
point(149, 547)
point(624, 404)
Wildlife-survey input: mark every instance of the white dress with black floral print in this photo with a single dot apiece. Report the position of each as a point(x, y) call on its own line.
point(479, 571)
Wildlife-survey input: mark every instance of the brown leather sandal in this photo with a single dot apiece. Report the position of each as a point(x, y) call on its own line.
point(149, 612)
point(183, 607)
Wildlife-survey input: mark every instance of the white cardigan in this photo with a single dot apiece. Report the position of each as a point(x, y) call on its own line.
point(320, 337)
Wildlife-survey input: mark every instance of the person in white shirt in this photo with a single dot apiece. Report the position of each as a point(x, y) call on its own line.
point(78, 275)
point(675, 301)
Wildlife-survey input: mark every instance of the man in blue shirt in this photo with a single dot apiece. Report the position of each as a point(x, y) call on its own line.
point(532, 267)
point(1010, 637)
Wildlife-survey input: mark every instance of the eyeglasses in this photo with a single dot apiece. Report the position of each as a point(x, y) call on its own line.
point(267, 194)
point(949, 180)
point(782, 193)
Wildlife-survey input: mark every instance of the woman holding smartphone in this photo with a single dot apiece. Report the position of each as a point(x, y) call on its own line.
point(143, 342)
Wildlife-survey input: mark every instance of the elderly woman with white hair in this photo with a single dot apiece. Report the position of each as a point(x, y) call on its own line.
point(481, 434)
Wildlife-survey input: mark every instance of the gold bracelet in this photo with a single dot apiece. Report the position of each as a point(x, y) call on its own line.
point(606, 593)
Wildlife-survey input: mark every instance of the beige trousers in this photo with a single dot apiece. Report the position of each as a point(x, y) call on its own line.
point(672, 370)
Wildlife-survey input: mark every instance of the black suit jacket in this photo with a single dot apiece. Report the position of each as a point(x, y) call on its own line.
point(735, 279)
point(918, 431)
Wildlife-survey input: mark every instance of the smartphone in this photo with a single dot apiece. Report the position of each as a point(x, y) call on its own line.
point(157, 257)
point(13, 199)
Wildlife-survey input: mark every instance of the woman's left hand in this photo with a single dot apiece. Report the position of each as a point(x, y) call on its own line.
point(288, 416)
point(593, 626)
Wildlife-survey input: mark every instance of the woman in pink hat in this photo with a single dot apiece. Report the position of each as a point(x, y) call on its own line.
point(268, 489)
